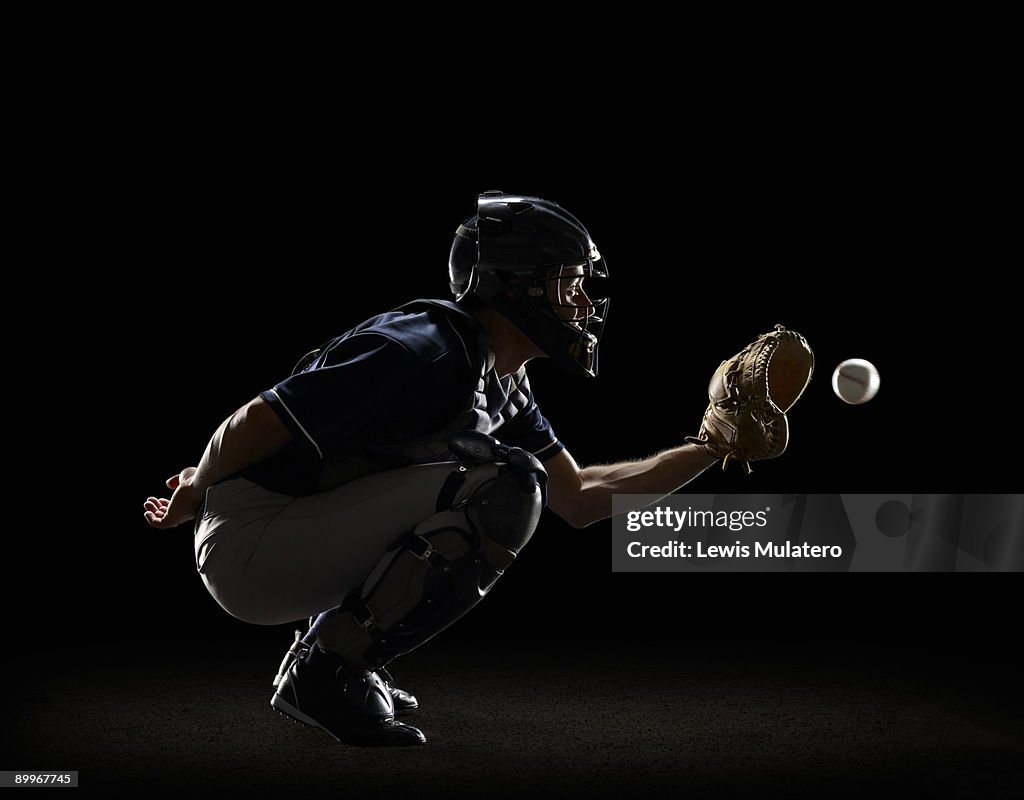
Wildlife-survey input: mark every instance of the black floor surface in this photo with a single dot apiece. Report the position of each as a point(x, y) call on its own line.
point(506, 719)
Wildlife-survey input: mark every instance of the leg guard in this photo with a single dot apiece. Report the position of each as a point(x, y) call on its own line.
point(435, 573)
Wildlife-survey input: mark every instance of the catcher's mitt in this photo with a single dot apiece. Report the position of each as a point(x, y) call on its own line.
point(750, 395)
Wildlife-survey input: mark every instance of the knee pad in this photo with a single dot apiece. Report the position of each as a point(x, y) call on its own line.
point(487, 511)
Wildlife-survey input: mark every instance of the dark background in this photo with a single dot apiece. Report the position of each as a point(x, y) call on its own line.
point(210, 249)
point(191, 219)
point(242, 262)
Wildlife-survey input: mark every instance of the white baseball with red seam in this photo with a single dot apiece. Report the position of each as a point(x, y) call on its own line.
point(855, 381)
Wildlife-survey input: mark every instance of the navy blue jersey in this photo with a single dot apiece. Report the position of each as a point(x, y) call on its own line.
point(395, 378)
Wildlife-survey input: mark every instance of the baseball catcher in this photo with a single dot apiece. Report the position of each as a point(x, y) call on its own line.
point(385, 485)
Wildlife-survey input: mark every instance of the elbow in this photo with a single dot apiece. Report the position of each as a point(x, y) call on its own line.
point(578, 501)
point(584, 522)
point(577, 516)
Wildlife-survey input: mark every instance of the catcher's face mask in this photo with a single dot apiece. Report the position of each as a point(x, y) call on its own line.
point(577, 299)
point(536, 264)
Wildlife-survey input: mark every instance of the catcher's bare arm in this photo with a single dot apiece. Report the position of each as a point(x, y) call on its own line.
point(745, 421)
point(248, 436)
point(582, 496)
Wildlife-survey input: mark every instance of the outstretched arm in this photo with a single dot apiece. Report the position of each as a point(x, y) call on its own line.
point(582, 496)
point(248, 436)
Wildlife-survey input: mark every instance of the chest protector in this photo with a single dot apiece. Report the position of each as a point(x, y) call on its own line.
point(474, 415)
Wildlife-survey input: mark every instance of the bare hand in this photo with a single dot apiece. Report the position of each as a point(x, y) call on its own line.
point(183, 505)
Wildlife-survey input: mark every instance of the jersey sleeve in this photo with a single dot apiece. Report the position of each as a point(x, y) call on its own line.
point(332, 408)
point(530, 430)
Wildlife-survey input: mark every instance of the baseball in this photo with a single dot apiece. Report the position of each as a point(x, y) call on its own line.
point(855, 381)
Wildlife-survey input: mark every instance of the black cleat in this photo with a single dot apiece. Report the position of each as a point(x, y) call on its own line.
point(405, 703)
point(354, 706)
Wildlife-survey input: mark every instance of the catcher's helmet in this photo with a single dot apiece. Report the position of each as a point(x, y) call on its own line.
point(535, 263)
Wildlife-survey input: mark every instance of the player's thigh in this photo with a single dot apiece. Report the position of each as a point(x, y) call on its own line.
point(325, 544)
